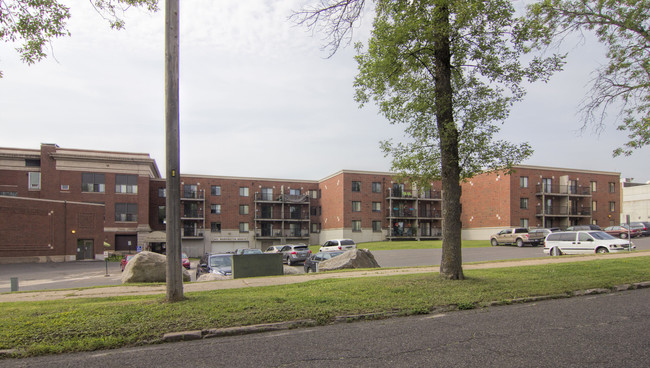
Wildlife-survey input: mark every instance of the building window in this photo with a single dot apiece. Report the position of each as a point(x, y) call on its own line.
point(376, 226)
point(313, 194)
point(356, 206)
point(294, 192)
point(34, 179)
point(162, 192)
point(93, 183)
point(612, 187)
point(126, 212)
point(126, 184)
point(594, 206)
point(356, 225)
point(267, 194)
point(162, 215)
point(243, 227)
point(32, 162)
point(612, 206)
point(523, 182)
point(243, 192)
point(215, 190)
point(315, 228)
point(243, 209)
point(547, 185)
point(523, 203)
point(376, 187)
point(356, 186)
point(215, 227)
point(215, 209)
point(190, 191)
point(592, 185)
point(9, 194)
point(523, 222)
point(376, 206)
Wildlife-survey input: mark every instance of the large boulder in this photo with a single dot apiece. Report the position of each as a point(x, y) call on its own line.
point(148, 267)
point(354, 258)
point(288, 270)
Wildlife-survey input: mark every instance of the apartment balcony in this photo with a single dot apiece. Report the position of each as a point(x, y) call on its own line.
point(563, 211)
point(279, 234)
point(402, 213)
point(192, 195)
point(432, 214)
point(282, 198)
point(409, 194)
point(192, 215)
point(563, 190)
point(192, 233)
point(413, 233)
point(277, 216)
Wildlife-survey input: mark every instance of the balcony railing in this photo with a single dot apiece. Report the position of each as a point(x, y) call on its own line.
point(192, 233)
point(563, 189)
point(402, 213)
point(287, 198)
point(564, 211)
point(414, 233)
point(269, 233)
point(431, 213)
point(410, 194)
point(192, 194)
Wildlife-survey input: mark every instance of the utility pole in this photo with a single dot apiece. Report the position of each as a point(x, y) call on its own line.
point(172, 148)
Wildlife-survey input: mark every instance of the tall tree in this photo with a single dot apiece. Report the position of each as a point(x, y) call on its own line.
point(448, 70)
point(622, 85)
point(34, 24)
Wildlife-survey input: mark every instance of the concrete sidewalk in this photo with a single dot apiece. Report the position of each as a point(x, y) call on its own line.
point(126, 290)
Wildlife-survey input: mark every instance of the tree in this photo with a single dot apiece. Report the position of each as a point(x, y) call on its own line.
point(35, 23)
point(624, 83)
point(448, 70)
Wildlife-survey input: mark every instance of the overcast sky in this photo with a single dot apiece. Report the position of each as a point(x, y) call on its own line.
point(258, 97)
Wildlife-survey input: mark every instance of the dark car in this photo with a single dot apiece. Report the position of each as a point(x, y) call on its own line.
point(311, 263)
point(643, 226)
point(292, 253)
point(248, 251)
point(583, 227)
point(126, 260)
point(220, 264)
point(635, 230)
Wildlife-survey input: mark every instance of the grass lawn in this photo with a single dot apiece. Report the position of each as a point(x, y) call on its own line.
point(48, 327)
point(423, 244)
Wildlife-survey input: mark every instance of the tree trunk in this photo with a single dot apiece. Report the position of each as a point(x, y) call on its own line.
point(451, 263)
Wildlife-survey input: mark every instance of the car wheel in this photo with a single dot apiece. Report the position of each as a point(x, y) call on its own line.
point(602, 250)
point(520, 243)
point(306, 269)
point(494, 242)
point(623, 235)
point(289, 262)
point(555, 251)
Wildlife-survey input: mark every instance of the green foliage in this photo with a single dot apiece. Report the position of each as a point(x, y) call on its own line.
point(398, 72)
point(50, 327)
point(624, 83)
point(35, 23)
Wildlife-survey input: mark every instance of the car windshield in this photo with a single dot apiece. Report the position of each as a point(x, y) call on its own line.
point(301, 247)
point(601, 235)
point(221, 261)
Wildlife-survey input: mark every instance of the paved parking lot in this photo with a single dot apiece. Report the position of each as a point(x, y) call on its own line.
point(50, 276)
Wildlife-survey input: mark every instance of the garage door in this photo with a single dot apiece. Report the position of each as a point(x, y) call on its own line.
point(223, 247)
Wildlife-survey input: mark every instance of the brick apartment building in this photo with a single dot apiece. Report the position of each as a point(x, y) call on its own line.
point(221, 213)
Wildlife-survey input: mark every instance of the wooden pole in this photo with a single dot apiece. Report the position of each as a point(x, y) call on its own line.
point(173, 202)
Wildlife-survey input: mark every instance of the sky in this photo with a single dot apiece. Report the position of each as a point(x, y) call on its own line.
point(258, 97)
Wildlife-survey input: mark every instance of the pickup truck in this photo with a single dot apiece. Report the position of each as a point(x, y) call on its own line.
point(517, 235)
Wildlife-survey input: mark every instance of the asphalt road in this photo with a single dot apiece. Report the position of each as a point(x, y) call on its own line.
point(607, 330)
point(48, 276)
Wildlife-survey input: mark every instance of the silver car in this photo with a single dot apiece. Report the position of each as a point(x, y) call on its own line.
point(293, 253)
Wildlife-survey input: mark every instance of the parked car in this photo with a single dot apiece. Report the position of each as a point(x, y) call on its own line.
point(338, 244)
point(645, 227)
point(517, 235)
point(292, 253)
point(584, 242)
point(220, 264)
point(636, 229)
point(311, 263)
point(185, 260)
point(274, 249)
point(620, 232)
point(126, 260)
point(248, 251)
point(583, 227)
point(539, 235)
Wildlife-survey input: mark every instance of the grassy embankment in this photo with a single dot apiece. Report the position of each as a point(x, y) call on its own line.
point(35, 328)
point(423, 244)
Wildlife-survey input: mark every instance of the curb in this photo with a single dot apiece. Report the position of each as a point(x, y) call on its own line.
point(279, 326)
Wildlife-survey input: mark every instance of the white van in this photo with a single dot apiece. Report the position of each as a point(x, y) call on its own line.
point(584, 242)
